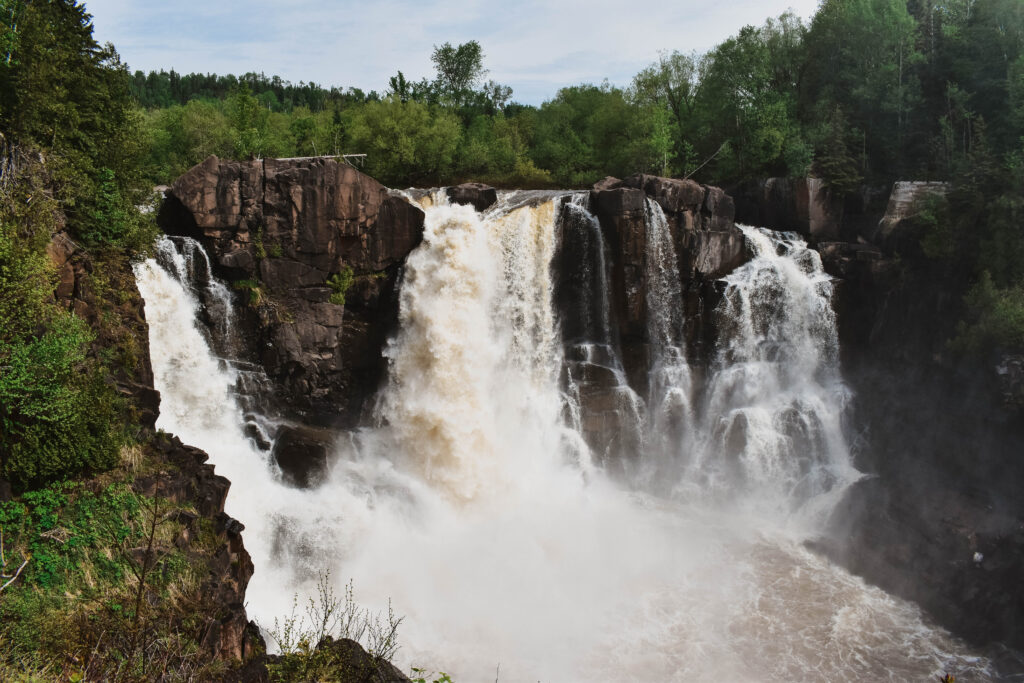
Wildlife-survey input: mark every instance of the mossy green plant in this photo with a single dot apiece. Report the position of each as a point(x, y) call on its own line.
point(340, 284)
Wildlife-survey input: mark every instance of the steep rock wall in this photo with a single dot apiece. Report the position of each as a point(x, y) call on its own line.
point(939, 519)
point(318, 247)
point(707, 244)
point(104, 294)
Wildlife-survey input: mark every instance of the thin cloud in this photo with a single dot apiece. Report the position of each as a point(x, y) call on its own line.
point(536, 47)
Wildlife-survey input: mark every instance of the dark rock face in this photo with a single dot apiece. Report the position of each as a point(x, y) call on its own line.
point(302, 453)
point(290, 231)
point(801, 205)
point(707, 243)
point(477, 195)
point(904, 203)
point(939, 520)
point(226, 632)
point(76, 291)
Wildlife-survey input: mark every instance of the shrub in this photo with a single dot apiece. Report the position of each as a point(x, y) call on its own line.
point(340, 284)
point(56, 412)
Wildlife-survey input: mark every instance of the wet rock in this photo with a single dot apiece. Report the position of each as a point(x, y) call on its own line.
point(707, 243)
point(298, 228)
point(477, 195)
point(606, 183)
point(675, 195)
point(302, 453)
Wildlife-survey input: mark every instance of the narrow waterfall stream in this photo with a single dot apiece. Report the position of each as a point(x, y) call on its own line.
point(478, 509)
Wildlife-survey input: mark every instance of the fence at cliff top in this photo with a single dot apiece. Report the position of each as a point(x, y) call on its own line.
point(359, 158)
point(483, 505)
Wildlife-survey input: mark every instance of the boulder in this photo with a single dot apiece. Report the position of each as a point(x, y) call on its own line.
point(477, 195)
point(904, 204)
point(301, 453)
point(606, 183)
point(674, 195)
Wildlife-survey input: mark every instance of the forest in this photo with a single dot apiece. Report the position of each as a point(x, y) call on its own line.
point(866, 93)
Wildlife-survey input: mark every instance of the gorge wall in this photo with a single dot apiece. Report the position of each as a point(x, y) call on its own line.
point(104, 294)
point(938, 519)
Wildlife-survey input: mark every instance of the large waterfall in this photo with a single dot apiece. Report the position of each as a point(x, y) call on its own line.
point(478, 508)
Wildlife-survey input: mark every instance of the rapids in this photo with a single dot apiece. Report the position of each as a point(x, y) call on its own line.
point(476, 507)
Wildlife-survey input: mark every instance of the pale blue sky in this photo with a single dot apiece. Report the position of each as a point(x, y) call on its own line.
point(534, 46)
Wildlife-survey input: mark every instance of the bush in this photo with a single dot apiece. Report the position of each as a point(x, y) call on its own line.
point(340, 284)
point(995, 318)
point(308, 642)
point(56, 413)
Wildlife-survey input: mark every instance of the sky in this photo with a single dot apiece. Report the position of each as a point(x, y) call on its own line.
point(534, 46)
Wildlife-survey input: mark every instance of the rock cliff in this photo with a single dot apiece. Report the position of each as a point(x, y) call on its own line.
point(318, 247)
point(104, 294)
point(938, 520)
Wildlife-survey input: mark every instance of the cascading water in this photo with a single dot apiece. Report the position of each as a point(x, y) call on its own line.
point(773, 408)
point(670, 413)
point(475, 507)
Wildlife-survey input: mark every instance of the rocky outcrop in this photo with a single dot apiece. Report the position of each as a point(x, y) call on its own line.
point(119, 324)
point(479, 196)
point(226, 631)
point(938, 519)
point(346, 660)
point(318, 247)
point(904, 204)
point(100, 288)
point(604, 315)
point(707, 244)
point(801, 205)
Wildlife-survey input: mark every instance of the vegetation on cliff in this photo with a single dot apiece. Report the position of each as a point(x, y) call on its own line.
point(111, 568)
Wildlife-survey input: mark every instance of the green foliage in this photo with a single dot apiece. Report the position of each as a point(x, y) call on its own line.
point(257, 244)
point(834, 163)
point(67, 95)
point(587, 132)
point(249, 122)
point(257, 296)
point(459, 69)
point(101, 593)
point(406, 142)
point(340, 284)
point(424, 676)
point(166, 89)
point(994, 320)
point(57, 415)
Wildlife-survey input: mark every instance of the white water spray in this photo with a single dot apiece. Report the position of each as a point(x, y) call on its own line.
point(475, 510)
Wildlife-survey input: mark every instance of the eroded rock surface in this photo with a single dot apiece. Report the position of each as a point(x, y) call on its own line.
point(317, 248)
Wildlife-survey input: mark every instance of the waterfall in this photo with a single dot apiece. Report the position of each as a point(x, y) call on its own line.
point(670, 413)
point(476, 507)
point(772, 428)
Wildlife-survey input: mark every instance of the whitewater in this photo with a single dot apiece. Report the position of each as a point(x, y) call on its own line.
point(476, 508)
